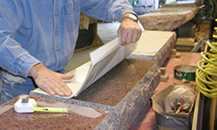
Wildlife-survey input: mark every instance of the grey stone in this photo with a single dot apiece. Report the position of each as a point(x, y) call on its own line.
point(169, 17)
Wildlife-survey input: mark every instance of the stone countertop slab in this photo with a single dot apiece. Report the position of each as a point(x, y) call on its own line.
point(72, 120)
point(154, 45)
point(123, 92)
point(116, 84)
point(169, 17)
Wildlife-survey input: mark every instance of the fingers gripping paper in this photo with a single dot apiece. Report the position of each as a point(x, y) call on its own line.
point(102, 60)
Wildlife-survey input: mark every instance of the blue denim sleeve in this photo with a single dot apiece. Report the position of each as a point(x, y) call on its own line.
point(107, 10)
point(13, 57)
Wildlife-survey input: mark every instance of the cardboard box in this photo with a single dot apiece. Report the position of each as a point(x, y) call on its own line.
point(170, 121)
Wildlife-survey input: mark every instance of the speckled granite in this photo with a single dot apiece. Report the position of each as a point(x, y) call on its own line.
point(123, 92)
point(10, 120)
point(169, 17)
point(154, 45)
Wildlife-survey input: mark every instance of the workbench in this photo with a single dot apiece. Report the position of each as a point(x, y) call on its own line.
point(75, 120)
point(120, 95)
point(186, 58)
point(123, 93)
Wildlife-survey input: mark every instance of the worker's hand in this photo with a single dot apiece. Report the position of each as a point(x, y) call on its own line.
point(129, 31)
point(50, 81)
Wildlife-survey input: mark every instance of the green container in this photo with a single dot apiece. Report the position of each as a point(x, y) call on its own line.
point(186, 72)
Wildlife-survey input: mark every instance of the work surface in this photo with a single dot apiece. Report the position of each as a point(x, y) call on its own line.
point(117, 98)
point(124, 91)
point(75, 120)
point(116, 84)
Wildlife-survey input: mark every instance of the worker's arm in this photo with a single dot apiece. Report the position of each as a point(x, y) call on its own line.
point(106, 10)
point(17, 60)
point(14, 58)
point(114, 10)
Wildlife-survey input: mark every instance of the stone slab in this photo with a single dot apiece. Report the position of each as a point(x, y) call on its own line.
point(123, 92)
point(169, 17)
point(11, 120)
point(154, 45)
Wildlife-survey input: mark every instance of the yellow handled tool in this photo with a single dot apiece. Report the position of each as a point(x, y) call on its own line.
point(29, 105)
point(50, 109)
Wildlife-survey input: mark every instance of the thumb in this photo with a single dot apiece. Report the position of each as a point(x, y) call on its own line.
point(66, 76)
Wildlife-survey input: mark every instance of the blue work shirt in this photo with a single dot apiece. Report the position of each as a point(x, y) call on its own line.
point(45, 31)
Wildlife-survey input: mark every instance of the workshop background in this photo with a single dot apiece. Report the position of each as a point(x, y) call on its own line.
point(175, 83)
point(192, 37)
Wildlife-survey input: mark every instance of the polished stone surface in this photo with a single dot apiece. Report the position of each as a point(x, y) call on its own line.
point(123, 92)
point(154, 45)
point(116, 84)
point(126, 89)
point(73, 120)
point(169, 17)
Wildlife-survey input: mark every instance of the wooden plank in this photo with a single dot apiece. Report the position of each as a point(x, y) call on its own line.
point(185, 41)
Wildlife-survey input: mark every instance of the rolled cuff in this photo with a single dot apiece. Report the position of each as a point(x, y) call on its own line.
point(25, 63)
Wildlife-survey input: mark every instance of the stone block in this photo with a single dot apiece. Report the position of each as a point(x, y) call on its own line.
point(126, 89)
point(154, 45)
point(169, 17)
point(123, 92)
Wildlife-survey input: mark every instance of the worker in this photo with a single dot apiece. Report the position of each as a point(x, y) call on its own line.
point(37, 39)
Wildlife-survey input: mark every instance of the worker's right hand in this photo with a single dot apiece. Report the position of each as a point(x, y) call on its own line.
point(129, 31)
point(50, 81)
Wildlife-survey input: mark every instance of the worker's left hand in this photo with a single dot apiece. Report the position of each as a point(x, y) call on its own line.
point(129, 31)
